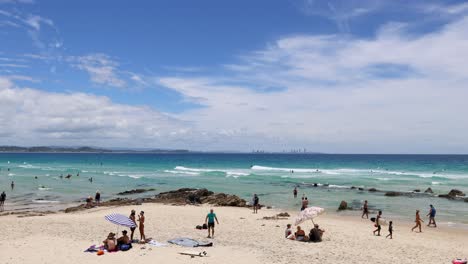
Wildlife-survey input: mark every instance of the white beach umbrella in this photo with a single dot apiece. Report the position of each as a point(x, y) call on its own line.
point(308, 213)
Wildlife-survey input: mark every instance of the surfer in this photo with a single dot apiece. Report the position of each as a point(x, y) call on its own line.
point(365, 210)
point(431, 214)
point(377, 223)
point(418, 222)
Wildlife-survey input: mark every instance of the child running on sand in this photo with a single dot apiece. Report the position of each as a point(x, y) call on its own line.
point(390, 230)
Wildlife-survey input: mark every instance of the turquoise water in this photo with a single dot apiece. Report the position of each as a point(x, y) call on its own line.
point(268, 175)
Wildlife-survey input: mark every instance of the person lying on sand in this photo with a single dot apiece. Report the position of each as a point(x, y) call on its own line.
point(110, 243)
point(316, 234)
point(300, 235)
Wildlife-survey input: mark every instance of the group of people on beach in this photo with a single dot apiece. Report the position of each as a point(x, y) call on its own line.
point(378, 220)
point(315, 234)
point(111, 243)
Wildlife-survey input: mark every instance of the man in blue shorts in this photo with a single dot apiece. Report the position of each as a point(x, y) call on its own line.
point(432, 214)
point(210, 220)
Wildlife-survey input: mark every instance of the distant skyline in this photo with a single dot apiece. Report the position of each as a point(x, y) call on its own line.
point(328, 76)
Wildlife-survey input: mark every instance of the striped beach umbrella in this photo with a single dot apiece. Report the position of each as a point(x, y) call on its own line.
point(120, 219)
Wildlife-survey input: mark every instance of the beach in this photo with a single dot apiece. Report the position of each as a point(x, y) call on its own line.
point(241, 237)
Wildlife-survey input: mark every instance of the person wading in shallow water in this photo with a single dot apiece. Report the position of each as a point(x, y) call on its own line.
point(365, 210)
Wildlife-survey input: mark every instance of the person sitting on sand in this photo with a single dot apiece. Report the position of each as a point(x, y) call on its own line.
point(124, 243)
point(210, 220)
point(365, 210)
point(390, 230)
point(288, 231)
point(418, 222)
point(377, 223)
point(141, 220)
point(431, 214)
point(300, 235)
point(316, 234)
point(110, 243)
point(89, 202)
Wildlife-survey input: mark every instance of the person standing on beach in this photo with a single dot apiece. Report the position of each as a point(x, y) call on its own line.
point(295, 192)
point(377, 223)
point(141, 220)
point(97, 197)
point(210, 221)
point(12, 185)
point(431, 214)
point(255, 204)
point(132, 229)
point(418, 222)
point(365, 210)
point(2, 200)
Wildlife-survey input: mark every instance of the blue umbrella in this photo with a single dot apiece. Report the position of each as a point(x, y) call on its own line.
point(120, 219)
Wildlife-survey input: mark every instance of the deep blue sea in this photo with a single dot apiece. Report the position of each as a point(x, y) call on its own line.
point(271, 176)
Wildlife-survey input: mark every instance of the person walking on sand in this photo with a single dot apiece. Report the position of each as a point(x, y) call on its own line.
point(132, 229)
point(141, 221)
point(390, 230)
point(431, 214)
point(377, 223)
point(2, 200)
point(255, 204)
point(295, 192)
point(418, 222)
point(365, 210)
point(210, 221)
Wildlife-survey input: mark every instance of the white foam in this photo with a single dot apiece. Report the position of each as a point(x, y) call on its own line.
point(43, 189)
point(182, 172)
point(435, 183)
point(45, 201)
point(11, 174)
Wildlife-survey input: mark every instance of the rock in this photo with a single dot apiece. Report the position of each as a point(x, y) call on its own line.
point(285, 214)
point(417, 190)
point(315, 185)
point(361, 189)
point(466, 200)
point(135, 191)
point(372, 190)
point(199, 196)
point(343, 206)
point(446, 196)
point(428, 190)
point(393, 194)
point(353, 187)
point(455, 193)
point(269, 207)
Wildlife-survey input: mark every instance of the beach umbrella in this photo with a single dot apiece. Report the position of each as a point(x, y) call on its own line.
point(120, 219)
point(308, 213)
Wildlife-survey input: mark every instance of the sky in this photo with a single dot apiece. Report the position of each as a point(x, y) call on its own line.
point(347, 76)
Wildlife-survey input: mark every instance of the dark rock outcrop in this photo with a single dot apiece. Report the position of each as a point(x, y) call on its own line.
point(393, 194)
point(361, 189)
point(428, 190)
point(417, 190)
point(199, 196)
point(455, 193)
point(135, 191)
point(353, 187)
point(372, 190)
point(343, 206)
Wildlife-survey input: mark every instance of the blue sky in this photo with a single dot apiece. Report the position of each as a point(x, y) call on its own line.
point(333, 76)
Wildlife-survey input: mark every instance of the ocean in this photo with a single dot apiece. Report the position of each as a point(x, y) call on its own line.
point(271, 176)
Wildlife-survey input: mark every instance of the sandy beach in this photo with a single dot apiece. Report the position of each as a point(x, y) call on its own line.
point(241, 237)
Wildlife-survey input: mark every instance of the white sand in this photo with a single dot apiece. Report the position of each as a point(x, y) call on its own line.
point(62, 238)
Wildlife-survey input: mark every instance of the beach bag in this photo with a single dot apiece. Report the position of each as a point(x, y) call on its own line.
point(199, 227)
point(459, 261)
point(205, 226)
point(100, 252)
point(125, 247)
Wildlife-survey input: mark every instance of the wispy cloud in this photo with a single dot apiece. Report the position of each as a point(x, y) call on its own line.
point(101, 69)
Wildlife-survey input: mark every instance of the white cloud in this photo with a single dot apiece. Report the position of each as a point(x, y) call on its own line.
point(35, 21)
point(34, 117)
point(101, 69)
point(395, 93)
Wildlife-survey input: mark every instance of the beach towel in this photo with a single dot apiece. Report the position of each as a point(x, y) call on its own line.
point(156, 243)
point(188, 242)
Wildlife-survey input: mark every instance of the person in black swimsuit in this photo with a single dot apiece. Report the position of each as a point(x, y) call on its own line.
point(365, 210)
point(255, 204)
